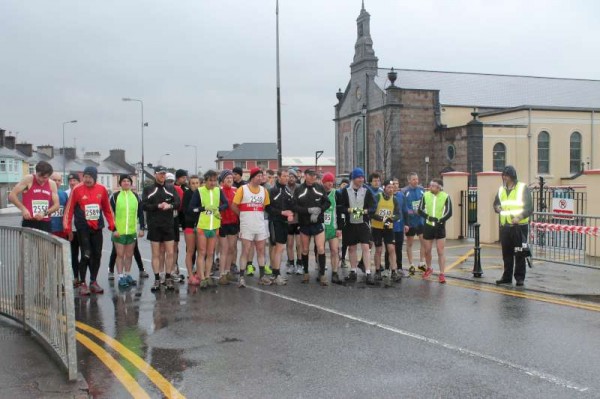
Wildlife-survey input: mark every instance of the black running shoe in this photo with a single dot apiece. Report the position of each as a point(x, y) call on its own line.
point(351, 277)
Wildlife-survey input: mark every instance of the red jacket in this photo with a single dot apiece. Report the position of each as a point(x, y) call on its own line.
point(228, 216)
point(87, 204)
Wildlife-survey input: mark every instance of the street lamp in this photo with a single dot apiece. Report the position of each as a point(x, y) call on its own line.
point(196, 159)
point(160, 158)
point(427, 170)
point(64, 153)
point(143, 124)
point(317, 156)
point(363, 112)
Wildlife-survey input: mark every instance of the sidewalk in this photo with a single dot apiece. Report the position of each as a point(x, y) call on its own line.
point(27, 371)
point(545, 277)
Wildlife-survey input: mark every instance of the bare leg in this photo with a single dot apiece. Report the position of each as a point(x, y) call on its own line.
point(441, 244)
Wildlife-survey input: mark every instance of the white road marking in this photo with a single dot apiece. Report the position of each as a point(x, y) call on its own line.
point(527, 370)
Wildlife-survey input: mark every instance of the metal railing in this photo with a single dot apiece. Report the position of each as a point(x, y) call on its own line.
point(571, 240)
point(36, 289)
point(468, 213)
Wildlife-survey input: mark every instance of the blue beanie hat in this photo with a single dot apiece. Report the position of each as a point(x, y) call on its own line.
point(357, 172)
point(224, 174)
point(91, 171)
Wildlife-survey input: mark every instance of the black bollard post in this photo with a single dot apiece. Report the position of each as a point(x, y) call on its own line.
point(477, 271)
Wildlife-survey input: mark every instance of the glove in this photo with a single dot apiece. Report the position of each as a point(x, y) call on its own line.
point(314, 210)
point(212, 208)
point(432, 219)
point(388, 223)
point(357, 212)
point(314, 218)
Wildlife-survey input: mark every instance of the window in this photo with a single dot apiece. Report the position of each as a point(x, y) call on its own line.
point(3, 166)
point(262, 164)
point(451, 152)
point(240, 164)
point(379, 151)
point(359, 146)
point(543, 153)
point(499, 157)
point(32, 171)
point(347, 156)
point(575, 152)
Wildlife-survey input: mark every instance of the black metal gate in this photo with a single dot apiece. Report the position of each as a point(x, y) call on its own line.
point(468, 213)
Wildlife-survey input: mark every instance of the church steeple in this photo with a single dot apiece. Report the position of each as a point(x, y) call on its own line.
point(364, 55)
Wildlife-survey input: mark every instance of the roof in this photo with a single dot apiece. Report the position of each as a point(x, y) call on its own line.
point(256, 151)
point(115, 167)
point(8, 153)
point(307, 161)
point(487, 90)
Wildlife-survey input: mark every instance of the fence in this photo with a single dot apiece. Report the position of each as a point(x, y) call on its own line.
point(571, 239)
point(36, 289)
point(468, 213)
point(542, 199)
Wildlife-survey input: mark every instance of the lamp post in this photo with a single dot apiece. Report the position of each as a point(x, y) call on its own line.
point(160, 158)
point(427, 170)
point(64, 153)
point(317, 156)
point(363, 112)
point(196, 158)
point(141, 183)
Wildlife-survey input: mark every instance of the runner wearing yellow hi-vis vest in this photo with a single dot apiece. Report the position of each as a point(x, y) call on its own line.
point(514, 204)
point(436, 209)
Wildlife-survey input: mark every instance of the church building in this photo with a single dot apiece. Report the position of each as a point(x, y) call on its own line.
point(396, 121)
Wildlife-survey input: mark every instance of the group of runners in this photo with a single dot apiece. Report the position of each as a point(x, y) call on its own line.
point(271, 213)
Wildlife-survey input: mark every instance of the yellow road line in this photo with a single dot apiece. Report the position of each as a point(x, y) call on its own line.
point(161, 382)
point(115, 367)
point(459, 246)
point(526, 295)
point(460, 260)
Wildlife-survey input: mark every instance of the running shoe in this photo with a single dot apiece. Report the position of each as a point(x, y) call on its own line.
point(193, 280)
point(156, 286)
point(323, 281)
point(369, 279)
point(83, 289)
point(351, 277)
point(95, 288)
point(130, 280)
point(144, 274)
point(279, 280)
point(290, 268)
point(231, 277)
point(223, 280)
point(242, 282)
point(123, 283)
point(204, 283)
point(378, 275)
point(422, 267)
point(169, 284)
point(427, 273)
point(211, 282)
point(412, 270)
point(396, 276)
point(234, 269)
point(268, 270)
point(250, 270)
point(76, 283)
point(111, 276)
point(306, 278)
point(335, 278)
point(442, 278)
point(299, 270)
point(264, 280)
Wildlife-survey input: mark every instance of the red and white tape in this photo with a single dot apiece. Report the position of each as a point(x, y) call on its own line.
point(591, 231)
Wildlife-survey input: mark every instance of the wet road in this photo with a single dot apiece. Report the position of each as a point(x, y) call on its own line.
point(418, 339)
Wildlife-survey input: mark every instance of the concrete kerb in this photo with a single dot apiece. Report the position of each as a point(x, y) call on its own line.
point(11, 210)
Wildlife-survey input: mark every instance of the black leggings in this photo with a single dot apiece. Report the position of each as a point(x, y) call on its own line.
point(90, 243)
point(75, 255)
point(136, 255)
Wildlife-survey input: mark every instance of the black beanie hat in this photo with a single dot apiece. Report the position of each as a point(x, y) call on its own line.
point(124, 176)
point(91, 171)
point(180, 172)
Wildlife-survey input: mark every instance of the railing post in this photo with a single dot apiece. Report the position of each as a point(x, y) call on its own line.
point(477, 271)
point(462, 216)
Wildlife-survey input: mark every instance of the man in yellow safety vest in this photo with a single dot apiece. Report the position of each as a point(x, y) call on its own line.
point(514, 204)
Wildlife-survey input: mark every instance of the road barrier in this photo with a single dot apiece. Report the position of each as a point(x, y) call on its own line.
point(570, 239)
point(36, 289)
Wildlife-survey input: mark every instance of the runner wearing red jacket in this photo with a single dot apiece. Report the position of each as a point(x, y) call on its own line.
point(87, 203)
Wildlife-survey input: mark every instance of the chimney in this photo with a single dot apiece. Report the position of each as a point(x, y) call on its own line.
point(9, 142)
point(47, 150)
point(2, 133)
point(25, 148)
point(70, 153)
point(117, 156)
point(236, 145)
point(93, 156)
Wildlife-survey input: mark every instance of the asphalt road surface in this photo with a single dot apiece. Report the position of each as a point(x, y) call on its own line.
point(419, 339)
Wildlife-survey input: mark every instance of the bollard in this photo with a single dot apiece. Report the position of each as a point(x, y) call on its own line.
point(477, 271)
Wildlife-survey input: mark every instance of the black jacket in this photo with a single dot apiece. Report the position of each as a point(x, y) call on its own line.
point(154, 195)
point(306, 197)
point(281, 200)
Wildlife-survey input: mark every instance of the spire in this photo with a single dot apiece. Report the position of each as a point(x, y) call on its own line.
point(364, 55)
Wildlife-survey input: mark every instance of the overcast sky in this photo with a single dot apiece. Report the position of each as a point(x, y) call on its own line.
point(206, 69)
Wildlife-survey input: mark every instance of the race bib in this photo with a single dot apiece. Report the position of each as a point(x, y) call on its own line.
point(92, 212)
point(327, 218)
point(209, 213)
point(384, 213)
point(39, 206)
point(59, 213)
point(415, 205)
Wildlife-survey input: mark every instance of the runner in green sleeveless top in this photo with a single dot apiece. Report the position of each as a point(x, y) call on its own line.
point(332, 230)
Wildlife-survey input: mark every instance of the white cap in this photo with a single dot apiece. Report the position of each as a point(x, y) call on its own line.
point(170, 176)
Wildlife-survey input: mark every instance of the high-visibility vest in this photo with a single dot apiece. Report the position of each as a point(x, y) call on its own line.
point(434, 205)
point(209, 220)
point(513, 204)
